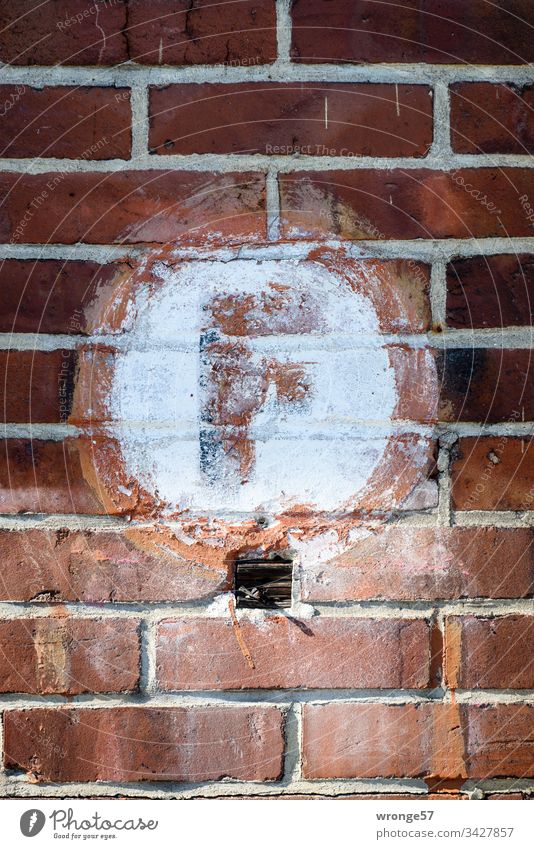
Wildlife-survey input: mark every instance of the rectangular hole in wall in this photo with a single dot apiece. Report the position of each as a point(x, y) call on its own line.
point(263, 584)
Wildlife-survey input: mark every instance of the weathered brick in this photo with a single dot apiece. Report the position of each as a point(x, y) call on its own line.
point(165, 32)
point(425, 563)
point(490, 291)
point(317, 119)
point(146, 744)
point(488, 118)
point(493, 473)
point(235, 33)
point(370, 740)
point(198, 654)
point(132, 564)
point(54, 296)
point(41, 476)
point(62, 121)
point(411, 204)
point(63, 32)
point(490, 652)
point(447, 31)
point(131, 206)
point(485, 384)
point(68, 656)
point(37, 386)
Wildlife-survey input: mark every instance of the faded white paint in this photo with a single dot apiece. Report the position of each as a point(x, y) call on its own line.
point(319, 450)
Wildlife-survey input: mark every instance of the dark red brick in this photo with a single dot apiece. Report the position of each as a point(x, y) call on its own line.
point(488, 118)
point(491, 291)
point(130, 207)
point(63, 32)
point(200, 654)
point(37, 386)
point(493, 473)
point(486, 384)
point(410, 204)
point(131, 564)
point(75, 123)
point(146, 744)
point(445, 31)
point(317, 119)
point(490, 652)
point(426, 563)
point(53, 296)
point(68, 656)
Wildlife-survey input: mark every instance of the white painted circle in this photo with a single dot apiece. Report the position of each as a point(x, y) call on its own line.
point(318, 450)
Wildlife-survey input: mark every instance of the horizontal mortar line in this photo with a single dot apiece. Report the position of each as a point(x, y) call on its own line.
point(91, 253)
point(281, 71)
point(154, 611)
point(516, 337)
point(425, 250)
point(158, 611)
point(488, 784)
point(391, 608)
point(491, 697)
point(282, 698)
point(51, 432)
point(71, 521)
point(513, 337)
point(244, 163)
point(497, 518)
point(185, 342)
point(19, 785)
point(516, 429)
point(171, 432)
point(415, 519)
point(412, 519)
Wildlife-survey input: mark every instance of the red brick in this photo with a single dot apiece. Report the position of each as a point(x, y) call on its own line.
point(146, 744)
point(491, 291)
point(50, 34)
point(131, 206)
point(485, 384)
point(491, 652)
point(284, 118)
point(394, 797)
point(487, 118)
point(500, 740)
point(426, 563)
point(68, 656)
point(54, 296)
point(176, 32)
point(200, 654)
point(41, 476)
point(370, 740)
point(165, 32)
point(411, 204)
point(447, 31)
point(37, 386)
point(132, 564)
point(493, 473)
point(61, 121)
point(508, 796)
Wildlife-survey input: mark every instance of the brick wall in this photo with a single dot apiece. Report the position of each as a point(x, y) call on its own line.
point(385, 142)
